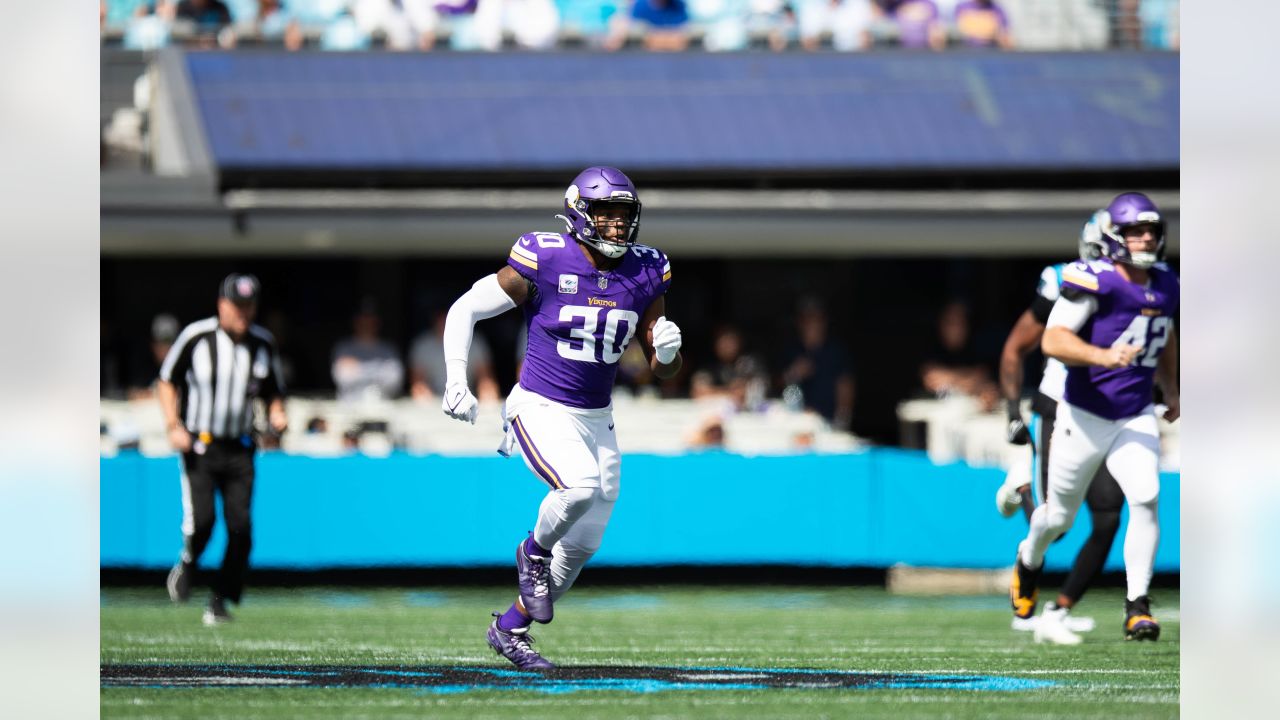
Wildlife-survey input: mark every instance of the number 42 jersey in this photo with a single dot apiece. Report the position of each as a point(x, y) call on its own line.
point(580, 319)
point(1126, 313)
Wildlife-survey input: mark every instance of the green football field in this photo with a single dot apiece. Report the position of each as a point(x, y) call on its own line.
point(750, 652)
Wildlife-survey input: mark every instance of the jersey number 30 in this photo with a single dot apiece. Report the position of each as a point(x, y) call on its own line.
point(610, 347)
point(1151, 333)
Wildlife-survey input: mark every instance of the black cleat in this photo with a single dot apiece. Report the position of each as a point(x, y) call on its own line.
point(216, 613)
point(1138, 622)
point(1023, 590)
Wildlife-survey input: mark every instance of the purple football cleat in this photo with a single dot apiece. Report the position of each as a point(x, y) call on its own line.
point(516, 646)
point(534, 575)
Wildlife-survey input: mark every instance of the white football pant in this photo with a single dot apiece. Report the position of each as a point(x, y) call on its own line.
point(1130, 447)
point(575, 452)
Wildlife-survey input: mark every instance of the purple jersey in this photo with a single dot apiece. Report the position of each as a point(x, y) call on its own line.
point(581, 319)
point(1127, 313)
point(915, 18)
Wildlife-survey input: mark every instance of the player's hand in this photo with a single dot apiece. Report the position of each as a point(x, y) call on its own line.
point(459, 403)
point(1016, 432)
point(179, 438)
point(666, 340)
point(1173, 408)
point(1120, 356)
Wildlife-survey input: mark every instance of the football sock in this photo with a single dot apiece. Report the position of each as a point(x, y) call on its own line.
point(1038, 539)
point(533, 548)
point(513, 618)
point(1140, 542)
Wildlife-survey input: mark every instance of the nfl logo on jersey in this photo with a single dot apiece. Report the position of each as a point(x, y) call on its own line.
point(602, 282)
point(568, 284)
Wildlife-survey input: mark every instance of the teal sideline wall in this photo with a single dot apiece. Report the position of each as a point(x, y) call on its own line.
point(870, 509)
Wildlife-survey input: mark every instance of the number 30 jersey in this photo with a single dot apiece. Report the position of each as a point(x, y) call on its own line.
point(581, 319)
point(1127, 313)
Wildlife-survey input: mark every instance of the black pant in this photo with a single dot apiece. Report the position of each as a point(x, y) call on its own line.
point(1105, 500)
point(228, 468)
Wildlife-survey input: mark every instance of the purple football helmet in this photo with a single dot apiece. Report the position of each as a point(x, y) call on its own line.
point(1127, 210)
point(599, 184)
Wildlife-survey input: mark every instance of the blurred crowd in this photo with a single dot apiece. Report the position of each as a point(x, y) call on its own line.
point(811, 370)
point(656, 25)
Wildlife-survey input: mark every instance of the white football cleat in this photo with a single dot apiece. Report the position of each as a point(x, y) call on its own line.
point(1079, 624)
point(1052, 626)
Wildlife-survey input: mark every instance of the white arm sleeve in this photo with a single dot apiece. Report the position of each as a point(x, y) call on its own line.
point(484, 300)
point(1072, 314)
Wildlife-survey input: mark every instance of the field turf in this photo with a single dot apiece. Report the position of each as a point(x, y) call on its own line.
point(413, 637)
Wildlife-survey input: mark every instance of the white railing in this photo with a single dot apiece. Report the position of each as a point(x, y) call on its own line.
point(645, 425)
point(956, 429)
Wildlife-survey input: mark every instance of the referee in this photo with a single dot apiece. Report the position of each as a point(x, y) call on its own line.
point(208, 383)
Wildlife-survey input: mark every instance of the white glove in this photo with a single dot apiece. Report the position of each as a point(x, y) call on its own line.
point(459, 403)
point(666, 340)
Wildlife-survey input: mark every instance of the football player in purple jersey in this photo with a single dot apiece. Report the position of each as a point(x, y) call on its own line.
point(1113, 327)
point(1027, 484)
point(586, 293)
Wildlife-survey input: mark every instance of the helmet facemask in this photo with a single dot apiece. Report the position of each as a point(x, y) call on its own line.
point(1119, 247)
point(1128, 210)
point(580, 219)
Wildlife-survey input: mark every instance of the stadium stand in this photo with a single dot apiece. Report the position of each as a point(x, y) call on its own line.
point(713, 25)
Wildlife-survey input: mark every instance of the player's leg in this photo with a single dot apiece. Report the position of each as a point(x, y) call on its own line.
point(235, 480)
point(1058, 623)
point(197, 523)
point(553, 447)
point(1105, 500)
point(1134, 462)
point(1016, 491)
point(1079, 441)
point(583, 540)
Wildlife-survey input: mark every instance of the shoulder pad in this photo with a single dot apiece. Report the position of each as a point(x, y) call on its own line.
point(1082, 276)
point(530, 246)
point(655, 260)
point(1049, 282)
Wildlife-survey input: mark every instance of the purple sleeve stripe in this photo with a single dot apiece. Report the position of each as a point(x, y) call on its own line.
point(542, 466)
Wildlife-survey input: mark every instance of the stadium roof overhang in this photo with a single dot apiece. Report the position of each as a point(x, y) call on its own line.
point(155, 216)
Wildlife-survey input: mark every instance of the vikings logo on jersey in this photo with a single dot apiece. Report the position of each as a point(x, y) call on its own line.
point(1127, 313)
point(577, 337)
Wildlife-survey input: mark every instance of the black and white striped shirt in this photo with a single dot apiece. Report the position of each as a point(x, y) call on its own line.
point(217, 378)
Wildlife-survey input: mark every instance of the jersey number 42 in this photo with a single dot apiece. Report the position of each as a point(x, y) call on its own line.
point(1152, 334)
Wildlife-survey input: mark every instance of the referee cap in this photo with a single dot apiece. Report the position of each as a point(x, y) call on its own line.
point(240, 288)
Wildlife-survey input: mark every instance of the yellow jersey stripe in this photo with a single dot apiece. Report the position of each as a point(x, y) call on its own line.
point(1084, 280)
point(666, 276)
point(524, 261)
